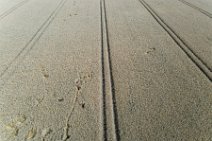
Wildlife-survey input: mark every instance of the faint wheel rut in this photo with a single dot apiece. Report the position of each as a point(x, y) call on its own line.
point(206, 70)
point(197, 8)
point(12, 9)
point(31, 43)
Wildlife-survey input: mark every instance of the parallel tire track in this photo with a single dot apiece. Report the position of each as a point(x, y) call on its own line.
point(30, 44)
point(103, 85)
point(12, 9)
point(196, 8)
point(107, 79)
point(179, 41)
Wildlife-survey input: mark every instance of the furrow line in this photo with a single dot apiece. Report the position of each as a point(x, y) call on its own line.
point(103, 86)
point(12, 9)
point(111, 129)
point(31, 43)
point(180, 42)
point(197, 8)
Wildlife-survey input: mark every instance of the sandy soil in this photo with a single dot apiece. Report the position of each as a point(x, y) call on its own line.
point(110, 70)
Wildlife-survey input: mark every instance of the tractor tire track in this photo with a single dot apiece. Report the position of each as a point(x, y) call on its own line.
point(206, 70)
point(109, 108)
point(197, 8)
point(12, 9)
point(31, 43)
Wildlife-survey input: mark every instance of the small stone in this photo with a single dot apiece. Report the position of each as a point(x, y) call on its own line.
point(78, 87)
point(61, 99)
point(151, 50)
point(83, 105)
point(46, 75)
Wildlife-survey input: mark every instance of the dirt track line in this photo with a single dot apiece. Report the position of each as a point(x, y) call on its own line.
point(30, 44)
point(196, 8)
point(179, 41)
point(108, 87)
point(9, 11)
point(103, 87)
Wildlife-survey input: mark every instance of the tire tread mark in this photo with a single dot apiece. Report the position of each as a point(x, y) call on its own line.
point(12, 9)
point(30, 44)
point(103, 87)
point(180, 42)
point(197, 8)
point(114, 112)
